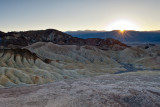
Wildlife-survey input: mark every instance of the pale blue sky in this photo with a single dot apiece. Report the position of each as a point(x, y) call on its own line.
point(20, 15)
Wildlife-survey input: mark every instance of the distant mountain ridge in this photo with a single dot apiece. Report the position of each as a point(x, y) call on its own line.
point(22, 39)
point(127, 36)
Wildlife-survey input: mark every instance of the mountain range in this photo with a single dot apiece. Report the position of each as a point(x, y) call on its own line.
point(22, 39)
point(126, 36)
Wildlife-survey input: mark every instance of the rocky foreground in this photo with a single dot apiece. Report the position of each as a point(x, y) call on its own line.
point(123, 90)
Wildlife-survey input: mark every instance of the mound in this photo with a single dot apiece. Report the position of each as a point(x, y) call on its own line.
point(129, 55)
point(139, 57)
point(20, 67)
point(106, 44)
point(71, 53)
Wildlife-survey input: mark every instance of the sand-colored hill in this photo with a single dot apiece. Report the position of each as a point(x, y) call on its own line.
point(138, 56)
point(45, 62)
point(22, 67)
point(71, 53)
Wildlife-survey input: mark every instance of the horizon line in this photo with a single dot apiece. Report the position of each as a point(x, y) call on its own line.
point(80, 30)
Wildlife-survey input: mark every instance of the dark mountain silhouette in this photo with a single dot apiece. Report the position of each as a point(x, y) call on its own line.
point(22, 39)
point(29, 37)
point(127, 36)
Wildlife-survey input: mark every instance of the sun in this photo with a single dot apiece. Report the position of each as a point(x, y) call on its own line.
point(122, 25)
point(121, 30)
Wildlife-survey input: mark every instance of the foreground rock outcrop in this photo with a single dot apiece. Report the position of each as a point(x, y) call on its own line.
point(125, 90)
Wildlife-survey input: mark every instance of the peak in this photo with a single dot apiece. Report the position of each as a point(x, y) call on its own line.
point(25, 38)
point(1, 32)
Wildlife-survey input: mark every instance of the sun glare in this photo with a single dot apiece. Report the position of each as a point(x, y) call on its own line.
point(122, 30)
point(122, 25)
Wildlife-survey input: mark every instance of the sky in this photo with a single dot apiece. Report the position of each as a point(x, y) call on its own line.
point(72, 15)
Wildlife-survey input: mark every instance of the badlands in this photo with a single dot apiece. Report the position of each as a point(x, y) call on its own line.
point(48, 68)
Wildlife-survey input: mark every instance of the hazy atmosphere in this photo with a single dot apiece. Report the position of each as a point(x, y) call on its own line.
point(64, 15)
